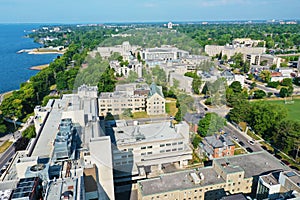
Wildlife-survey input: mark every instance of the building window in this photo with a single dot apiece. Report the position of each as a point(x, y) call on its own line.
point(143, 154)
point(180, 142)
point(162, 151)
point(169, 144)
point(175, 143)
point(174, 149)
point(149, 147)
point(180, 149)
point(168, 150)
point(143, 147)
point(149, 153)
point(162, 145)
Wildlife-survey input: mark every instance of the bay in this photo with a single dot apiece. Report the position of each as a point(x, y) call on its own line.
point(14, 68)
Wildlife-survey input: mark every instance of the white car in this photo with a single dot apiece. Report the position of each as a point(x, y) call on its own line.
point(251, 142)
point(235, 138)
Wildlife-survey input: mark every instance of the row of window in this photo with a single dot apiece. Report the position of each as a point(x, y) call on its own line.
point(123, 162)
point(169, 150)
point(121, 100)
point(169, 144)
point(148, 153)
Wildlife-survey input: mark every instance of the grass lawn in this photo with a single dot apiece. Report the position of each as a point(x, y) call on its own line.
point(171, 108)
point(137, 115)
point(239, 151)
point(251, 134)
point(5, 145)
point(293, 109)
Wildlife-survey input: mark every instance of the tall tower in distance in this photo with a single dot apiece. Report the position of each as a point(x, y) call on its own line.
point(170, 25)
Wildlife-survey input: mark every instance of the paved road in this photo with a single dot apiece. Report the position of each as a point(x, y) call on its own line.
point(242, 137)
point(262, 87)
point(7, 155)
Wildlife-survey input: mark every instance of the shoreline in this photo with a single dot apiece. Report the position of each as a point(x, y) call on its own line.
point(39, 67)
point(42, 51)
point(2, 95)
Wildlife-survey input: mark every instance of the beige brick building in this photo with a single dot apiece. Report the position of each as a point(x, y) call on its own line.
point(155, 101)
point(230, 175)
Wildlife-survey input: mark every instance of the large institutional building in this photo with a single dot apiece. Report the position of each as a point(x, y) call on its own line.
point(137, 98)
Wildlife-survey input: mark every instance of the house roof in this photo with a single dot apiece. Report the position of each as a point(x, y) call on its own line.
point(155, 89)
point(218, 141)
point(193, 118)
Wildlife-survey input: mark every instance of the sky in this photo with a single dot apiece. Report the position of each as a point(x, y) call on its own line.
point(100, 11)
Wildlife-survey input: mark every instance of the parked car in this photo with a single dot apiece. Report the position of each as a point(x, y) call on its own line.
point(251, 142)
point(235, 138)
point(241, 143)
point(249, 149)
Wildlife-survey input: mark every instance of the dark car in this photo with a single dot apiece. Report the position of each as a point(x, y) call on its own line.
point(249, 149)
point(241, 143)
point(286, 162)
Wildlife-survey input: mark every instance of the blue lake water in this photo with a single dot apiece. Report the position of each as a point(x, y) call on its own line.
point(14, 68)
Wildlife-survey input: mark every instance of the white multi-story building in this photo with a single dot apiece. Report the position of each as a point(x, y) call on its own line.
point(146, 148)
point(166, 53)
point(133, 66)
point(125, 50)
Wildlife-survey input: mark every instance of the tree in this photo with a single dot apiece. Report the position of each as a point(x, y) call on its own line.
point(107, 81)
point(210, 124)
point(253, 85)
point(236, 86)
point(132, 76)
point(284, 92)
point(287, 82)
point(29, 132)
point(127, 112)
point(259, 94)
point(265, 76)
point(250, 76)
point(273, 84)
point(196, 84)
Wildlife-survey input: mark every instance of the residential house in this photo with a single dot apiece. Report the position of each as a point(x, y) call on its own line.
point(217, 146)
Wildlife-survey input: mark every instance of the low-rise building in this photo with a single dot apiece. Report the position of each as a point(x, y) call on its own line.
point(133, 66)
point(125, 50)
point(217, 146)
point(165, 53)
point(184, 82)
point(233, 175)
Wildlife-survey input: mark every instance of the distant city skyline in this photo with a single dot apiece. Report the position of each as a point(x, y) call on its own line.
point(97, 11)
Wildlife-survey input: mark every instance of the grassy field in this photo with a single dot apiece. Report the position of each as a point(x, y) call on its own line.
point(293, 109)
point(171, 107)
point(4, 146)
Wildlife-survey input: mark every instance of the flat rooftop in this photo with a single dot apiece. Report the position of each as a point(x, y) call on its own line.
point(70, 102)
point(148, 132)
point(179, 181)
point(254, 164)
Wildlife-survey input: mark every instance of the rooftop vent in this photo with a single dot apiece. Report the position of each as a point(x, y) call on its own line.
point(38, 167)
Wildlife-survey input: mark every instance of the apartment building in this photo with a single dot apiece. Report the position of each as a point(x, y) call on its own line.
point(217, 146)
point(231, 175)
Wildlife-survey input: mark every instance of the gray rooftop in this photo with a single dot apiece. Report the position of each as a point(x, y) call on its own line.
point(179, 181)
point(218, 141)
point(155, 89)
point(254, 164)
point(149, 132)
